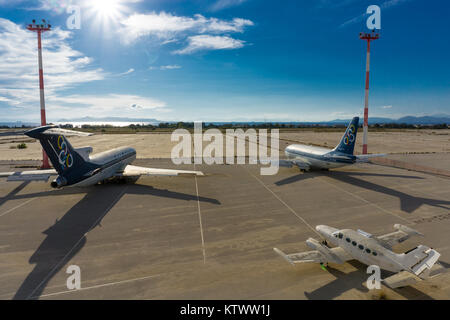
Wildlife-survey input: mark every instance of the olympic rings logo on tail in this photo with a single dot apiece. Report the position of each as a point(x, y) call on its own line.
point(350, 135)
point(65, 157)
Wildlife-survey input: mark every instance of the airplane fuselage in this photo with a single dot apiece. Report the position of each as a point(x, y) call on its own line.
point(363, 248)
point(318, 157)
point(106, 164)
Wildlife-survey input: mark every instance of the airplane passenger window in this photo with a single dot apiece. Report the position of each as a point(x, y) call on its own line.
point(368, 250)
point(361, 247)
point(354, 243)
point(374, 253)
point(347, 239)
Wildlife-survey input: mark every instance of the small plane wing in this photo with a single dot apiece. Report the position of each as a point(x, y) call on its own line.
point(367, 157)
point(134, 171)
point(33, 175)
point(403, 233)
point(313, 256)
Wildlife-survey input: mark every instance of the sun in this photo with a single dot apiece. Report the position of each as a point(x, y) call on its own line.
point(107, 9)
point(104, 14)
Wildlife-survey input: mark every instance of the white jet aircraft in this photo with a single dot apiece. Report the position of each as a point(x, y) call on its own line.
point(411, 266)
point(311, 157)
point(76, 167)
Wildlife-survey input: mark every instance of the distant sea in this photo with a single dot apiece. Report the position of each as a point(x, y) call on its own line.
point(78, 124)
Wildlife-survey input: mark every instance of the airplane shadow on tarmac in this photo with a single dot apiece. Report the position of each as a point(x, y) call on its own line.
point(408, 203)
point(355, 280)
point(68, 235)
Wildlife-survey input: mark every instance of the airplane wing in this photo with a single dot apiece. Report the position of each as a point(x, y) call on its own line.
point(279, 163)
point(33, 175)
point(313, 256)
point(135, 171)
point(301, 165)
point(287, 163)
point(367, 157)
point(403, 233)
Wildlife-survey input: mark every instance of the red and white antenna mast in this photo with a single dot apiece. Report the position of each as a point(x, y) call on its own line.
point(368, 37)
point(39, 29)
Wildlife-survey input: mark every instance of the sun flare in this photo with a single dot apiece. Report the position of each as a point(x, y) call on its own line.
point(105, 13)
point(107, 9)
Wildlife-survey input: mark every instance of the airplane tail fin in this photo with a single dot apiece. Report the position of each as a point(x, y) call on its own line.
point(347, 143)
point(63, 157)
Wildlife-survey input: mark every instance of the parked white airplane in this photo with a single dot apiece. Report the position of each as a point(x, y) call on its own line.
point(411, 266)
point(310, 157)
point(76, 167)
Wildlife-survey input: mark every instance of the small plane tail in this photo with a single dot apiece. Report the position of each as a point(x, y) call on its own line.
point(347, 143)
point(420, 260)
point(64, 158)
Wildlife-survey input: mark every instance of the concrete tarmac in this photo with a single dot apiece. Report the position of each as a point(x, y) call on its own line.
point(212, 237)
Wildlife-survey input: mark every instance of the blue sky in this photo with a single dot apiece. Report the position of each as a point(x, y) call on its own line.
point(224, 60)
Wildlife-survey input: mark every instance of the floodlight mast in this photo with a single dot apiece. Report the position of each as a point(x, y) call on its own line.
point(39, 29)
point(368, 37)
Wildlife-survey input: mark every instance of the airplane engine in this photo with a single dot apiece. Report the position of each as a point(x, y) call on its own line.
point(59, 182)
point(328, 255)
point(314, 244)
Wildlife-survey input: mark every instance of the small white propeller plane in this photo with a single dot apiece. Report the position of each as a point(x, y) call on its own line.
point(409, 267)
point(76, 167)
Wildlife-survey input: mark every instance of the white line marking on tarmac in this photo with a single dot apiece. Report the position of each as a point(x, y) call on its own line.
point(364, 200)
point(17, 207)
point(76, 244)
point(97, 286)
point(285, 204)
point(200, 219)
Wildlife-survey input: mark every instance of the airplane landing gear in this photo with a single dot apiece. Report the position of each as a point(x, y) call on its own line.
point(324, 266)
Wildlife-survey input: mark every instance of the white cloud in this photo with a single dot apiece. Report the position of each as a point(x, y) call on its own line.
point(386, 107)
point(208, 42)
point(166, 26)
point(170, 67)
point(222, 4)
point(131, 70)
point(167, 67)
point(99, 105)
point(59, 7)
point(64, 68)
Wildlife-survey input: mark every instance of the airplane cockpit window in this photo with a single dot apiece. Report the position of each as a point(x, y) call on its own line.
point(340, 235)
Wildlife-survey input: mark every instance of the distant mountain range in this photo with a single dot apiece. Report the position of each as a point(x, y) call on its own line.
point(411, 120)
point(424, 120)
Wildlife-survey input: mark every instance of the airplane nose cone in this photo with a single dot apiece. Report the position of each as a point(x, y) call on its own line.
point(325, 230)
